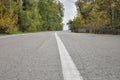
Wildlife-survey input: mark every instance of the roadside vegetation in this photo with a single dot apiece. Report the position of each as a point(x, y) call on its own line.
point(17, 16)
point(97, 16)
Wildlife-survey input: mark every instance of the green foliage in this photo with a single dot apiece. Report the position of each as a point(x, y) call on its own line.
point(8, 20)
point(97, 14)
point(30, 15)
point(30, 19)
point(52, 13)
point(75, 24)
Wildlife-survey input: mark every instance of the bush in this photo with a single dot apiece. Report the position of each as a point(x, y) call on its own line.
point(8, 23)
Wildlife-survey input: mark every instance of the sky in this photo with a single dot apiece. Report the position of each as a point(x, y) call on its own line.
point(69, 11)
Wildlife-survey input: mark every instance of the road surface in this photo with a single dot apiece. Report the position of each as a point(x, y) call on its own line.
point(38, 56)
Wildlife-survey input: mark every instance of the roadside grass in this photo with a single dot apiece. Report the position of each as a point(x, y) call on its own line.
point(19, 32)
point(2, 34)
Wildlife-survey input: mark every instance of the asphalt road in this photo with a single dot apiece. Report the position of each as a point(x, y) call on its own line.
point(36, 56)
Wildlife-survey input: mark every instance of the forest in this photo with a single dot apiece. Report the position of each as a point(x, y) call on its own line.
point(97, 16)
point(30, 15)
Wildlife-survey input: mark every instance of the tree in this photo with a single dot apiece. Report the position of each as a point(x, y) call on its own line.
point(30, 15)
point(98, 15)
point(30, 19)
point(8, 20)
point(52, 13)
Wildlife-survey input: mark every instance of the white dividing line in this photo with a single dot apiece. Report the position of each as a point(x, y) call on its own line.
point(69, 69)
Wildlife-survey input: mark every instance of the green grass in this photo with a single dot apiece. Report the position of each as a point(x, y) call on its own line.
point(1, 34)
point(18, 32)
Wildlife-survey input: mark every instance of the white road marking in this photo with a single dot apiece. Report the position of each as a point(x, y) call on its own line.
point(70, 71)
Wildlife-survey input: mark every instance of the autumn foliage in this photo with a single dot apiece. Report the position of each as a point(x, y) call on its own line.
point(8, 22)
point(30, 15)
point(99, 16)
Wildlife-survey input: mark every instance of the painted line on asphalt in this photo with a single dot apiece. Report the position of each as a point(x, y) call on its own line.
point(69, 69)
